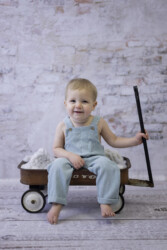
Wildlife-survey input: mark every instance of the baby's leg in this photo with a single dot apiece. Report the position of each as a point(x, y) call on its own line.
point(107, 181)
point(53, 213)
point(106, 210)
point(59, 176)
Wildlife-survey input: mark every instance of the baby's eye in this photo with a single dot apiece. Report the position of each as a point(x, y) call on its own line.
point(84, 101)
point(72, 101)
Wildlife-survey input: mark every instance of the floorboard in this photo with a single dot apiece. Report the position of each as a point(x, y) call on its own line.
point(140, 225)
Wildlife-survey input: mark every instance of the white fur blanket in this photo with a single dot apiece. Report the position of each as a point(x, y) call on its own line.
point(41, 159)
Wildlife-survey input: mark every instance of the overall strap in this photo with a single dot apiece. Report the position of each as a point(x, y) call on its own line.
point(95, 120)
point(68, 122)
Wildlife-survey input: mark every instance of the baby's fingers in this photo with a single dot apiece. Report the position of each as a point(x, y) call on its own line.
point(82, 162)
point(147, 135)
point(79, 164)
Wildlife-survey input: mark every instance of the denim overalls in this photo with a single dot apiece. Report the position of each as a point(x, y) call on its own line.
point(84, 141)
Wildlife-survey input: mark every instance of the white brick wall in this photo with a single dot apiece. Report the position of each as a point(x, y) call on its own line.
point(115, 44)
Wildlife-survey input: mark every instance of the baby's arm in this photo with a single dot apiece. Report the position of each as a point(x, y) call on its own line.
point(59, 151)
point(119, 142)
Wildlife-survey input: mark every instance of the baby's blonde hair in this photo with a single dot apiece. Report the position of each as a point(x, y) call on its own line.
point(81, 83)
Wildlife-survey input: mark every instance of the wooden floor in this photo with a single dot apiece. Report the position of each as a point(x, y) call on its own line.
point(142, 224)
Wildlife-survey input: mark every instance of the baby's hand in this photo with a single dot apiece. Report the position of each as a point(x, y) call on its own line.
point(140, 135)
point(76, 161)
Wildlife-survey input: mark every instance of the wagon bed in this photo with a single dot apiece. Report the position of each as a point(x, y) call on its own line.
point(79, 177)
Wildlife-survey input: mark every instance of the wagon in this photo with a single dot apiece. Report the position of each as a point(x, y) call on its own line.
point(34, 199)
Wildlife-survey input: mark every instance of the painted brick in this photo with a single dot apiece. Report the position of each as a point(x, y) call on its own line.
point(162, 50)
point(154, 127)
point(83, 1)
point(10, 3)
point(10, 50)
point(53, 2)
point(152, 61)
point(164, 71)
point(135, 44)
point(153, 43)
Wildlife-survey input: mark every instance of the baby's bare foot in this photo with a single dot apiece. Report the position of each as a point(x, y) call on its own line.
point(106, 210)
point(53, 213)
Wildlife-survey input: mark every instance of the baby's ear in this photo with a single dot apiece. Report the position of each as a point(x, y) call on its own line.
point(65, 103)
point(94, 104)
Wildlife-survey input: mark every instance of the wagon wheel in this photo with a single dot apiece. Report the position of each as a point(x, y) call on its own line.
point(122, 189)
point(119, 205)
point(33, 201)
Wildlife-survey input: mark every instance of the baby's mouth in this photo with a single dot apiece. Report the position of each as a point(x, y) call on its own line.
point(78, 112)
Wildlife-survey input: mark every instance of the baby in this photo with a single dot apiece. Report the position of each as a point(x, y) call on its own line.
point(77, 145)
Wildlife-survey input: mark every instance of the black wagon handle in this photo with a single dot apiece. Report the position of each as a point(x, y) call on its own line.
point(143, 131)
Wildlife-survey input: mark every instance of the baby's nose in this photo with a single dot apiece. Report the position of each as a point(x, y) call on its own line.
point(78, 104)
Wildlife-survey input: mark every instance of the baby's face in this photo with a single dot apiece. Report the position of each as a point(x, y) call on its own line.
point(79, 104)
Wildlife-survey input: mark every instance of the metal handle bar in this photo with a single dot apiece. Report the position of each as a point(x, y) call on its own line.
point(143, 131)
